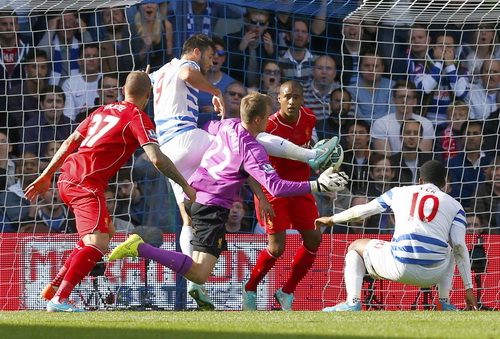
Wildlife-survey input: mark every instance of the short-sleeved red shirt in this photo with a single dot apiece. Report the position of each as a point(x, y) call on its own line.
point(112, 134)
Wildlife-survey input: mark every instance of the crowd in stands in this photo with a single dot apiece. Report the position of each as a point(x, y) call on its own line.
point(432, 94)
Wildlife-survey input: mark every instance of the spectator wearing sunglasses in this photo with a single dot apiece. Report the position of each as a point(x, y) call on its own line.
point(235, 92)
point(250, 48)
point(216, 76)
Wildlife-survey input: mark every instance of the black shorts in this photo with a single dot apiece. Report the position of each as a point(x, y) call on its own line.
point(209, 228)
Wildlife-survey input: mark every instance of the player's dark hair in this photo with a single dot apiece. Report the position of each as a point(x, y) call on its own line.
point(433, 172)
point(254, 105)
point(293, 84)
point(200, 41)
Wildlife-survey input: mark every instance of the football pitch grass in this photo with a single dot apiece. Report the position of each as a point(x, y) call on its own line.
point(273, 325)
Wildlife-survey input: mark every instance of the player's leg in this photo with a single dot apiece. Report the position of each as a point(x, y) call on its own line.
point(50, 289)
point(279, 147)
point(444, 288)
point(302, 212)
point(354, 272)
point(94, 226)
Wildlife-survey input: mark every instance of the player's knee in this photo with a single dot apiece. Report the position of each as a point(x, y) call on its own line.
point(358, 245)
point(313, 242)
point(277, 250)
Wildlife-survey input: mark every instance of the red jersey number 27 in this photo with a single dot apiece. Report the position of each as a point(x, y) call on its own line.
point(98, 128)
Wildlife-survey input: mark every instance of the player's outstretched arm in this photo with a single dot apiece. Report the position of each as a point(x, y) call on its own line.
point(323, 221)
point(197, 80)
point(42, 183)
point(355, 213)
point(168, 169)
point(329, 182)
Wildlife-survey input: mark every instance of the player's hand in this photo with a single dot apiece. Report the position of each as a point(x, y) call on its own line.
point(191, 193)
point(330, 182)
point(470, 300)
point(38, 187)
point(219, 105)
point(266, 210)
point(323, 221)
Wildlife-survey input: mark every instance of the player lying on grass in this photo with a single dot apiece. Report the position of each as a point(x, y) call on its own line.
point(105, 141)
point(429, 233)
point(233, 156)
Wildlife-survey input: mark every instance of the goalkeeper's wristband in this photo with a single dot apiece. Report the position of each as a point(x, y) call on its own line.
point(315, 186)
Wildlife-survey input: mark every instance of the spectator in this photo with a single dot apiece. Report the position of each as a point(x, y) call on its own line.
point(121, 225)
point(81, 89)
point(108, 91)
point(50, 149)
point(202, 16)
point(236, 214)
point(62, 43)
point(448, 140)
point(271, 76)
point(382, 175)
point(443, 81)
point(475, 224)
point(14, 52)
point(235, 92)
point(130, 198)
point(467, 169)
point(486, 201)
point(357, 155)
point(416, 56)
point(485, 46)
point(297, 62)
point(160, 205)
point(318, 91)
point(119, 52)
point(216, 76)
point(50, 215)
point(14, 205)
point(50, 125)
point(411, 157)
point(23, 101)
point(386, 130)
point(7, 165)
point(367, 226)
point(250, 48)
point(339, 114)
point(371, 91)
point(483, 96)
point(155, 34)
point(348, 51)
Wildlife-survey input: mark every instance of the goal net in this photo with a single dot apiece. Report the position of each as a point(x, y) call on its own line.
point(400, 82)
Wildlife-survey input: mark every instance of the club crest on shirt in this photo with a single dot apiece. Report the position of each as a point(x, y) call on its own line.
point(268, 168)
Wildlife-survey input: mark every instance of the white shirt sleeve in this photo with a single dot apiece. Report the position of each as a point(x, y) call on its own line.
point(359, 212)
point(461, 254)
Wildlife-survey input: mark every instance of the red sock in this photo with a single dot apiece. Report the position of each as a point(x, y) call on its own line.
point(80, 266)
point(265, 262)
point(302, 262)
point(62, 272)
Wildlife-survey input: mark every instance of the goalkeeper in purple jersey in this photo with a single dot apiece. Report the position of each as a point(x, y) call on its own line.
point(233, 156)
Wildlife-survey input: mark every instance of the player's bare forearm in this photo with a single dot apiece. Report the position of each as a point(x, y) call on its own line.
point(67, 147)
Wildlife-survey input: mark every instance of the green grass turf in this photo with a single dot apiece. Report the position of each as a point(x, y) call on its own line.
point(274, 325)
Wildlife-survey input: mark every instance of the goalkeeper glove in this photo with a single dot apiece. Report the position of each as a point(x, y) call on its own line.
point(329, 182)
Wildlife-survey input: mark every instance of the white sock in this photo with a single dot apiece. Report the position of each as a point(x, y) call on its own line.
point(185, 240)
point(354, 273)
point(444, 287)
point(281, 148)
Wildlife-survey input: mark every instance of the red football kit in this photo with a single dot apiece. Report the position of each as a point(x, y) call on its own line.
point(112, 134)
point(296, 212)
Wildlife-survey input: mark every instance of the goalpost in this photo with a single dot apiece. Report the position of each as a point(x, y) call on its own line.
point(32, 241)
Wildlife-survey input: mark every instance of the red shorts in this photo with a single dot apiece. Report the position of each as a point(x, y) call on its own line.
point(88, 205)
point(296, 212)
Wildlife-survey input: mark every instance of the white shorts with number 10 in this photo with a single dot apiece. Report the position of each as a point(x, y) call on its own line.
point(186, 151)
point(381, 264)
